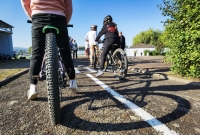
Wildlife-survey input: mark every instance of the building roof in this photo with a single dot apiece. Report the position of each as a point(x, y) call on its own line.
point(141, 45)
point(5, 28)
point(5, 25)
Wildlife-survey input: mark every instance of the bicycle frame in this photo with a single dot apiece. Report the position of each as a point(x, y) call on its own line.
point(53, 71)
point(42, 74)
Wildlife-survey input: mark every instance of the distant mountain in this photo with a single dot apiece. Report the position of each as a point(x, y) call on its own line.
point(17, 49)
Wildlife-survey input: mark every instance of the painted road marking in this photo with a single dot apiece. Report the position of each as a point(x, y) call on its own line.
point(156, 124)
point(77, 71)
point(80, 65)
point(91, 70)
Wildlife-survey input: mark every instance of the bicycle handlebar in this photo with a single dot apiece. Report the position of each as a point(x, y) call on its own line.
point(68, 25)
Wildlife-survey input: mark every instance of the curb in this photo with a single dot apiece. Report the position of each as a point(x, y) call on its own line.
point(7, 80)
point(166, 77)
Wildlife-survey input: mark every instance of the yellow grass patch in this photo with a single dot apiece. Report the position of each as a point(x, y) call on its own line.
point(5, 73)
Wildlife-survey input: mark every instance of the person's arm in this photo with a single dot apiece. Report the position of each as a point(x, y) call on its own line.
point(85, 46)
point(69, 10)
point(124, 41)
point(103, 31)
point(26, 7)
point(86, 36)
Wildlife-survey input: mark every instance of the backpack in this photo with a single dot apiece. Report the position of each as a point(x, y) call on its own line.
point(112, 27)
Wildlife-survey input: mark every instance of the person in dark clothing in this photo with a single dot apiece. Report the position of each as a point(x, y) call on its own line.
point(122, 41)
point(76, 49)
point(111, 37)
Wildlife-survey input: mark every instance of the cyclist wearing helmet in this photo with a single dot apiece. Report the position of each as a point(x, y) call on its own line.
point(90, 37)
point(111, 37)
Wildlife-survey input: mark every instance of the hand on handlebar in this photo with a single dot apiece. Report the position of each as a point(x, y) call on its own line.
point(100, 41)
point(68, 25)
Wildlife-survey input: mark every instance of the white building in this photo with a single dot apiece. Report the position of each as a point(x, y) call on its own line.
point(6, 44)
point(138, 50)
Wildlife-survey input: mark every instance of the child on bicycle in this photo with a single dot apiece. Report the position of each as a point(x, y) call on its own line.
point(111, 37)
point(91, 36)
point(49, 12)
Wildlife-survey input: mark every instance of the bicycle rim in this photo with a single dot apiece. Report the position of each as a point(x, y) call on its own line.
point(52, 79)
point(121, 63)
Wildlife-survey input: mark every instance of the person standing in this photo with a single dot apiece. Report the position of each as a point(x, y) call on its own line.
point(91, 36)
point(75, 50)
point(49, 12)
point(71, 46)
point(87, 49)
point(122, 41)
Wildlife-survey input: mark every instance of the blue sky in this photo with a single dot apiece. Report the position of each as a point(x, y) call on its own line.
point(131, 16)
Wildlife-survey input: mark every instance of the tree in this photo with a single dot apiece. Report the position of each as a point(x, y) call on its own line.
point(30, 50)
point(150, 36)
point(183, 27)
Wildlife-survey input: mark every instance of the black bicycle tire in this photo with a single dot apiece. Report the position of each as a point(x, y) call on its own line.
point(6, 57)
point(126, 66)
point(94, 60)
point(3, 60)
point(52, 78)
point(125, 59)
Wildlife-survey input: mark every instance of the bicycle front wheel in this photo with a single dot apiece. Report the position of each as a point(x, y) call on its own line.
point(121, 62)
point(52, 78)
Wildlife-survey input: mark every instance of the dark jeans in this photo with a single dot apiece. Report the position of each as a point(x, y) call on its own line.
point(38, 43)
point(75, 54)
point(107, 46)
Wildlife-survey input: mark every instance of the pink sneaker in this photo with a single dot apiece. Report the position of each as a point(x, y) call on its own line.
point(32, 92)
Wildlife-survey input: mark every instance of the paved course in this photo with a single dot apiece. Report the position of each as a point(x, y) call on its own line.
point(139, 104)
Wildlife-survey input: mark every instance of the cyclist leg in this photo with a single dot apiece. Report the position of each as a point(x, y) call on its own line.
point(38, 46)
point(65, 51)
point(91, 54)
point(107, 47)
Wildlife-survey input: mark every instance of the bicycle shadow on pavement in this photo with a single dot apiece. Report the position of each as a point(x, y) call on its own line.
point(72, 121)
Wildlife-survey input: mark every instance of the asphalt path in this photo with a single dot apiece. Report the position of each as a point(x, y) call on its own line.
point(139, 104)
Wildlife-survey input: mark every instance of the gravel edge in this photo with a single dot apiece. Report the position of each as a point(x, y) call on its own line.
point(166, 77)
point(9, 79)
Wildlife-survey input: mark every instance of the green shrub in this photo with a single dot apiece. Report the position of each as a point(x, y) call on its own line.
point(145, 52)
point(184, 35)
point(154, 53)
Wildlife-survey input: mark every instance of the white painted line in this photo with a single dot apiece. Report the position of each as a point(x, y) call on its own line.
point(80, 65)
point(77, 71)
point(91, 70)
point(156, 124)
